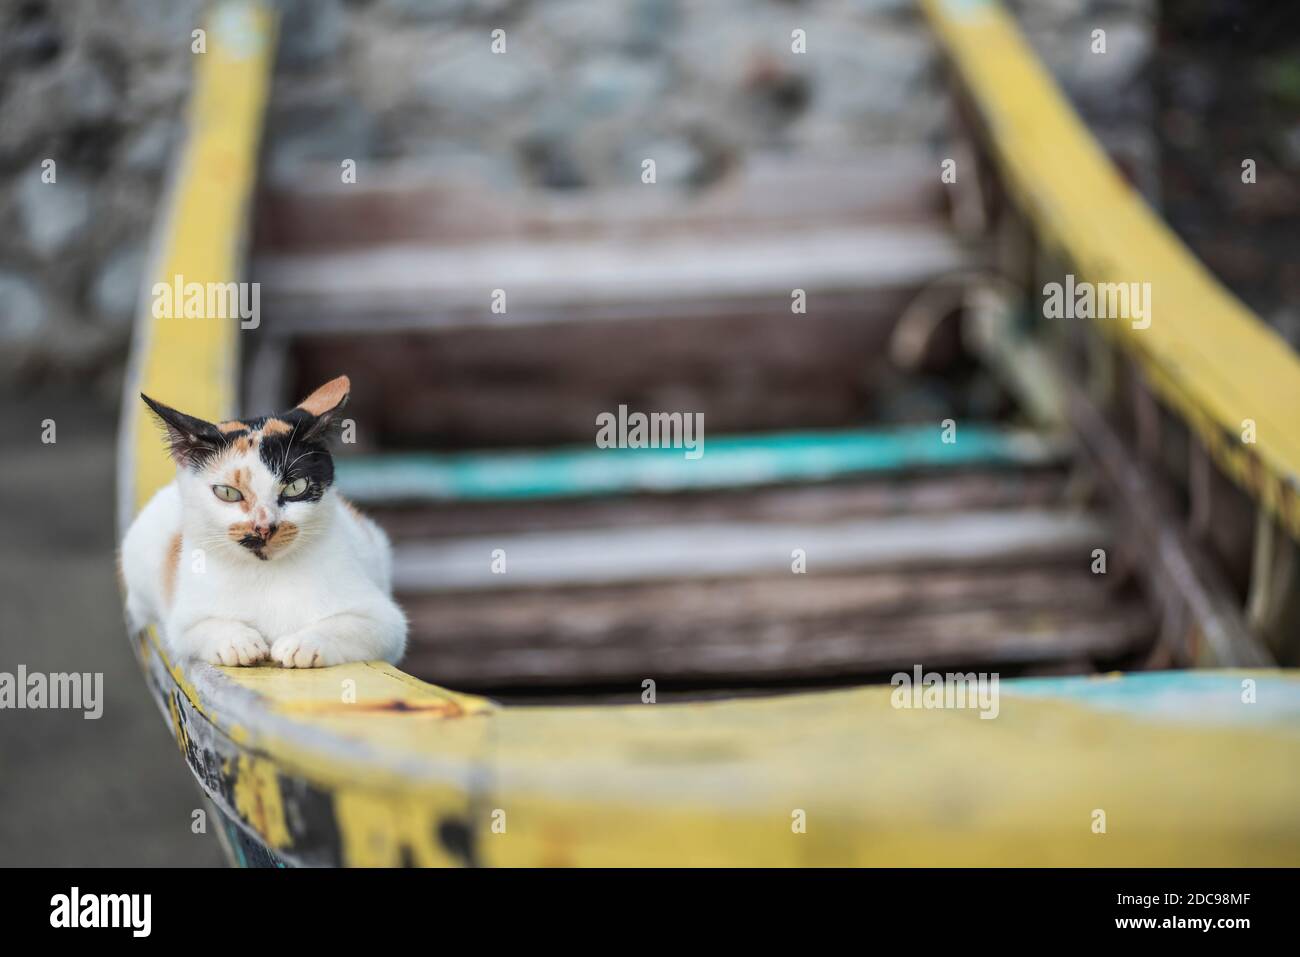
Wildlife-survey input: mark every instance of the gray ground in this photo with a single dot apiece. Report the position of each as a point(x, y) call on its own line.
point(76, 792)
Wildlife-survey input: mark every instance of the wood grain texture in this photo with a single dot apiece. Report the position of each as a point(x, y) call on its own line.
point(543, 385)
point(447, 286)
point(829, 502)
point(694, 550)
point(397, 203)
point(773, 628)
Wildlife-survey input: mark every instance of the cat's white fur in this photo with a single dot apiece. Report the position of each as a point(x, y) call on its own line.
point(323, 599)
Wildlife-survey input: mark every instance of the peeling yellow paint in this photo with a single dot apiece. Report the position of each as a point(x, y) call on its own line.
point(387, 829)
point(258, 800)
point(178, 728)
point(345, 689)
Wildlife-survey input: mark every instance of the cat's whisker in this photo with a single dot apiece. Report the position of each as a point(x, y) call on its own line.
point(288, 446)
point(285, 470)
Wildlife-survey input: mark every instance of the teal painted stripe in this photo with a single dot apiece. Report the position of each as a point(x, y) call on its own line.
point(1200, 697)
point(727, 462)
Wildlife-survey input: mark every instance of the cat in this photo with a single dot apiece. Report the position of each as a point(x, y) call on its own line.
point(250, 553)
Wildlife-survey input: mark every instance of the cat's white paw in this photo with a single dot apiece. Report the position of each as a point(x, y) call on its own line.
point(300, 650)
point(234, 644)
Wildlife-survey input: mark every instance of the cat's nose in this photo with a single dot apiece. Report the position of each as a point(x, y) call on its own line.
point(265, 531)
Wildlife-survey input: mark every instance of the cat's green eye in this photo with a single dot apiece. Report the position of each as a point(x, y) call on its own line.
point(294, 488)
point(226, 493)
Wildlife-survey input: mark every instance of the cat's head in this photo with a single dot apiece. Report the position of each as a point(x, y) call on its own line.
point(254, 486)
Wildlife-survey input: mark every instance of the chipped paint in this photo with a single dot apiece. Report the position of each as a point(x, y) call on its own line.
point(258, 800)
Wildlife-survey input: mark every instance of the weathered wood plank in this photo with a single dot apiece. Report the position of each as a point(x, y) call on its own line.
point(863, 498)
point(773, 628)
point(605, 279)
point(699, 550)
point(758, 368)
point(394, 203)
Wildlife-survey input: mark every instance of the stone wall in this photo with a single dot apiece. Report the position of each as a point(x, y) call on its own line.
point(90, 101)
point(583, 92)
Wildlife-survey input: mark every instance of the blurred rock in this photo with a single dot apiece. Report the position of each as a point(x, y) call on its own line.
point(52, 214)
point(1129, 45)
point(649, 24)
point(148, 150)
point(158, 27)
point(903, 9)
point(465, 80)
point(30, 35)
point(311, 31)
point(424, 10)
point(1049, 13)
point(22, 309)
point(613, 84)
point(115, 292)
point(87, 95)
point(888, 69)
point(608, 26)
point(315, 125)
point(548, 159)
point(678, 162)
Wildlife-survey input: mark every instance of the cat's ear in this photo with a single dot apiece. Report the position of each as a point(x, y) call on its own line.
point(323, 406)
point(190, 441)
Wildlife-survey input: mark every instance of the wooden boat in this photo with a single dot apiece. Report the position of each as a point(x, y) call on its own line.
point(976, 555)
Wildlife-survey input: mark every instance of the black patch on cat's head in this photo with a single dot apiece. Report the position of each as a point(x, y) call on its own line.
point(302, 449)
point(301, 452)
point(190, 441)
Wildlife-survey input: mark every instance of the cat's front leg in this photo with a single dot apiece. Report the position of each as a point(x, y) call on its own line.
point(341, 638)
point(221, 641)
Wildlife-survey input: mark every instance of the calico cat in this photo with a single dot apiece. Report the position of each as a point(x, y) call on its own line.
point(251, 553)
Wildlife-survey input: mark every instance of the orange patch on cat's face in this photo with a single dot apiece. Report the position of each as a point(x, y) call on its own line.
point(280, 539)
point(239, 480)
point(284, 536)
point(244, 444)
